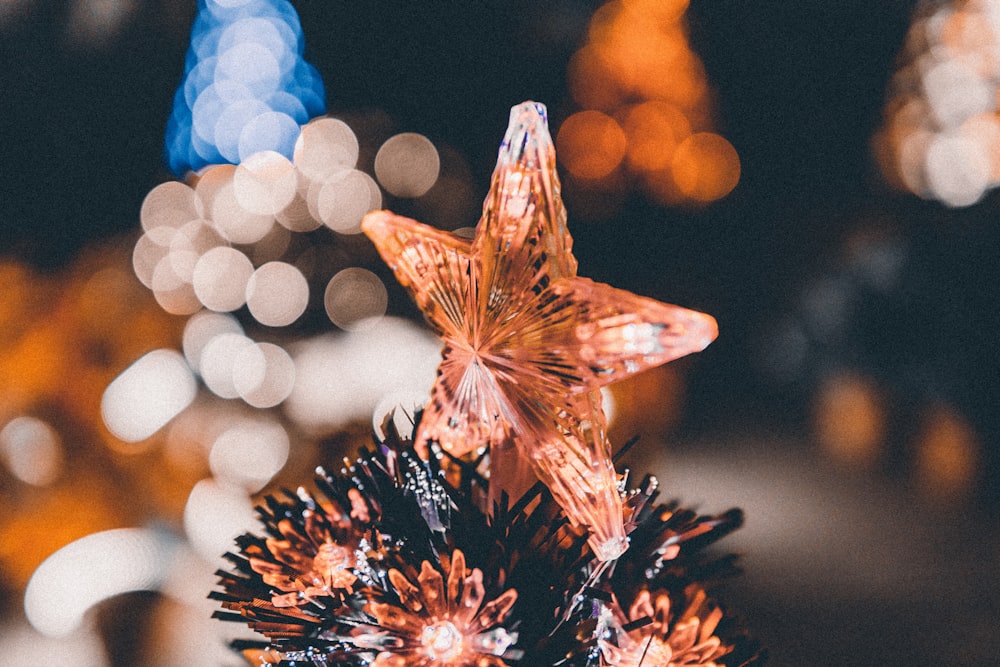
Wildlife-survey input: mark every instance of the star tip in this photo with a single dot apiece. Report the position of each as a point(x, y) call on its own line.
point(527, 137)
point(709, 329)
point(374, 221)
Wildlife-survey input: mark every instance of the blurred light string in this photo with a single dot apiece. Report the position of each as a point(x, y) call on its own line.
point(645, 109)
point(92, 569)
point(246, 86)
point(940, 136)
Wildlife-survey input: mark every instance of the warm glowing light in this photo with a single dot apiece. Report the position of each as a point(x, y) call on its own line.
point(637, 68)
point(265, 183)
point(939, 138)
point(264, 375)
point(218, 363)
point(850, 422)
point(236, 223)
point(277, 294)
point(355, 298)
point(705, 167)
point(957, 169)
point(249, 454)
point(325, 147)
point(188, 244)
point(147, 395)
point(341, 378)
point(407, 165)
point(32, 450)
point(215, 514)
point(344, 198)
point(654, 130)
point(202, 327)
point(92, 569)
point(220, 278)
point(948, 453)
point(591, 144)
point(171, 291)
point(169, 204)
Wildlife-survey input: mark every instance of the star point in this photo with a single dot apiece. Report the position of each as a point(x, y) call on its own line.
point(527, 343)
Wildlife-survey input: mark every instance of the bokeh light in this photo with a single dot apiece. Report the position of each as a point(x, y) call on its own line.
point(264, 375)
point(355, 298)
point(407, 165)
point(590, 144)
point(249, 454)
point(215, 514)
point(850, 420)
point(277, 294)
point(325, 147)
point(343, 200)
point(265, 183)
point(218, 363)
point(32, 450)
point(147, 395)
point(939, 137)
point(246, 86)
point(94, 568)
point(220, 278)
point(646, 112)
point(340, 378)
point(202, 327)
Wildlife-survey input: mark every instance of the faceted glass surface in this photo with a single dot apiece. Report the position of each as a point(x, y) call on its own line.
point(527, 343)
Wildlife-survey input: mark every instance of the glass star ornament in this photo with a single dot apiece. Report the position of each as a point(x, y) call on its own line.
point(527, 343)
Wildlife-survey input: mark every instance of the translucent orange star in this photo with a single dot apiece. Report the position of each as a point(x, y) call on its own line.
point(528, 343)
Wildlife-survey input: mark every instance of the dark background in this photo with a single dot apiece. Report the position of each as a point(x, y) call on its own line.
point(800, 88)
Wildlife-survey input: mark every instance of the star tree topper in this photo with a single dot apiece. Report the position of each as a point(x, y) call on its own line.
point(527, 343)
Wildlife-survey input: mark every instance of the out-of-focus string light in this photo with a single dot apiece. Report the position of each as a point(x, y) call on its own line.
point(940, 137)
point(215, 514)
point(645, 109)
point(147, 395)
point(277, 294)
point(355, 298)
point(340, 379)
point(249, 454)
point(92, 569)
point(32, 450)
point(246, 86)
point(407, 164)
point(22, 645)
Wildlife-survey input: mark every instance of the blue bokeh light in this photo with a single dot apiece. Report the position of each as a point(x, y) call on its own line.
point(246, 86)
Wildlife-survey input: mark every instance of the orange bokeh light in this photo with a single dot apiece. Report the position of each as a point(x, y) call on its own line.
point(591, 144)
point(654, 130)
point(705, 167)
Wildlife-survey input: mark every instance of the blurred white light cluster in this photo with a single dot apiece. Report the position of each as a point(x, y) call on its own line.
point(91, 569)
point(32, 450)
point(941, 133)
